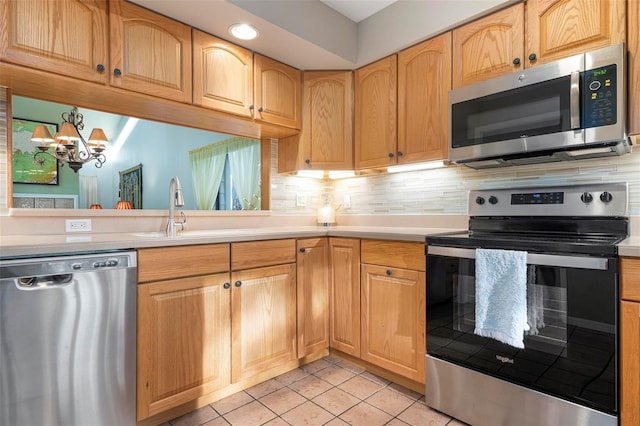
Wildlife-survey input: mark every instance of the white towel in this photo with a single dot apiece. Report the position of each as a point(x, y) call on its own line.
point(501, 295)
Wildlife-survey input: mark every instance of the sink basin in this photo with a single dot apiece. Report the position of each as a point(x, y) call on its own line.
point(189, 234)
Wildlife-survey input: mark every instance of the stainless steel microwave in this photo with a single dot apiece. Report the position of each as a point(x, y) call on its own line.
point(568, 109)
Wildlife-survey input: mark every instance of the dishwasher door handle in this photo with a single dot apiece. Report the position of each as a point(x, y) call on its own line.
point(44, 282)
point(582, 262)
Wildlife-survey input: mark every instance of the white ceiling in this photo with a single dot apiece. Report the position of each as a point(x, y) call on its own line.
point(358, 10)
point(312, 35)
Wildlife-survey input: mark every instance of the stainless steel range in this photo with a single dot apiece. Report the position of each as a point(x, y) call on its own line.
point(567, 372)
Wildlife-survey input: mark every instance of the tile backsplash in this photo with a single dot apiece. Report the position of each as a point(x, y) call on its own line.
point(444, 191)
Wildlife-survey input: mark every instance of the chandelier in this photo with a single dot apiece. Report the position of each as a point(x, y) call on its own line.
point(68, 145)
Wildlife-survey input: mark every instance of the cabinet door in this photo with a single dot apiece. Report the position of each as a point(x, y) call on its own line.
point(184, 335)
point(424, 81)
point(325, 141)
point(629, 363)
point(263, 311)
point(67, 37)
point(375, 114)
point(489, 47)
point(277, 92)
point(222, 75)
point(344, 261)
point(313, 295)
point(633, 46)
point(149, 53)
point(561, 28)
point(393, 316)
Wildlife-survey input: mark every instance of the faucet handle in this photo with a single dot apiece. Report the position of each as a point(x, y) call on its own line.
point(183, 221)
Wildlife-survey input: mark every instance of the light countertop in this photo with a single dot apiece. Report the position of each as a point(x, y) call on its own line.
point(21, 245)
point(630, 247)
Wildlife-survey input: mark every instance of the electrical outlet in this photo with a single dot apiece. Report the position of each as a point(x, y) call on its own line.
point(78, 225)
point(301, 199)
point(347, 201)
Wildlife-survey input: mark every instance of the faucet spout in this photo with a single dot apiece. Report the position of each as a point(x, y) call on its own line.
point(175, 200)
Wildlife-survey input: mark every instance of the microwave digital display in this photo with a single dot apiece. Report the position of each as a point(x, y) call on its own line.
point(538, 198)
point(599, 97)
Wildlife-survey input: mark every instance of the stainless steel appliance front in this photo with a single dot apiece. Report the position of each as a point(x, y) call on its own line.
point(67, 340)
point(567, 109)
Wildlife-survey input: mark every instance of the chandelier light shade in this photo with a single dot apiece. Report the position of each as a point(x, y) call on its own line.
point(124, 205)
point(68, 145)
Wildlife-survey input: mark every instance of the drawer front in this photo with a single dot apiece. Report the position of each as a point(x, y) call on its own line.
point(397, 254)
point(630, 278)
point(162, 263)
point(256, 254)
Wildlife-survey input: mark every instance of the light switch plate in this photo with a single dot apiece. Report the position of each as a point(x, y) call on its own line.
point(78, 225)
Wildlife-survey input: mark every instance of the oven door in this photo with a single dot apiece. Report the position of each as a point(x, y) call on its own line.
point(572, 302)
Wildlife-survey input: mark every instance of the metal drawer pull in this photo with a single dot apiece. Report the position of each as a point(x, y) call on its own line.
point(532, 258)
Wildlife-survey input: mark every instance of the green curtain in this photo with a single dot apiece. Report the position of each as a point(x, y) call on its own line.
point(207, 164)
point(244, 165)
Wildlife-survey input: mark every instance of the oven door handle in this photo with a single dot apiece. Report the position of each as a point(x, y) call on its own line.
point(582, 262)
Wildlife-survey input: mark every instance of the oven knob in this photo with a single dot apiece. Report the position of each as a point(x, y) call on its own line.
point(480, 200)
point(493, 200)
point(586, 197)
point(606, 197)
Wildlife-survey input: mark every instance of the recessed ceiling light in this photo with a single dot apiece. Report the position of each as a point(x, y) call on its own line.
point(243, 31)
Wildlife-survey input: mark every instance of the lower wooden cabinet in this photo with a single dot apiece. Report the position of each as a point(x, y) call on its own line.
point(313, 295)
point(184, 335)
point(344, 305)
point(394, 307)
point(263, 319)
point(629, 341)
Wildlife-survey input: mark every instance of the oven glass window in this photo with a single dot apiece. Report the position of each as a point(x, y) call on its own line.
point(533, 110)
point(570, 350)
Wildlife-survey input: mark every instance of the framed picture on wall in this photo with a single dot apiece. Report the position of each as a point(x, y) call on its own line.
point(42, 170)
point(131, 186)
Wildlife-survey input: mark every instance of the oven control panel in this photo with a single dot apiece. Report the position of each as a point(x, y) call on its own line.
point(601, 199)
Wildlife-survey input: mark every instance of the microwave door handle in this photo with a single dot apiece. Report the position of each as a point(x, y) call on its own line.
point(574, 100)
point(580, 262)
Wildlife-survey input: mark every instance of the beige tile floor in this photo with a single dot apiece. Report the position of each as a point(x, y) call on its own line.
point(328, 392)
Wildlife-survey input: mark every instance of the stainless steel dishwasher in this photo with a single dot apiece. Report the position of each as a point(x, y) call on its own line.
point(68, 340)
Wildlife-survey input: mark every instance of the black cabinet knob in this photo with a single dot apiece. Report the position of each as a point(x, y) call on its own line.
point(586, 197)
point(516, 61)
point(533, 57)
point(307, 161)
point(389, 272)
point(238, 283)
point(251, 107)
point(226, 285)
point(117, 71)
point(391, 155)
point(400, 154)
point(100, 67)
point(260, 109)
point(302, 250)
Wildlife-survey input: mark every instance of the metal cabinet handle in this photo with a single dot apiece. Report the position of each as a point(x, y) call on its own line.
point(100, 68)
point(117, 71)
point(389, 272)
point(516, 61)
point(238, 283)
point(226, 285)
point(260, 109)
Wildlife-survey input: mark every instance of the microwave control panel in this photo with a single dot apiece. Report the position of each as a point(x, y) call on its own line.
point(599, 99)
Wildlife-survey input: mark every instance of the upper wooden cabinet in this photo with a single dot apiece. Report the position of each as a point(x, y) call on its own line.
point(222, 75)
point(560, 28)
point(68, 37)
point(313, 295)
point(325, 141)
point(375, 114)
point(277, 92)
point(489, 47)
point(149, 53)
point(424, 81)
point(633, 47)
point(497, 44)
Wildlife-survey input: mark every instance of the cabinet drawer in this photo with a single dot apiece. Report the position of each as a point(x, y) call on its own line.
point(397, 254)
point(255, 254)
point(630, 278)
point(163, 263)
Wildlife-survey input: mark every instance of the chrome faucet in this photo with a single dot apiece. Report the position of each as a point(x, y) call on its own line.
point(175, 200)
